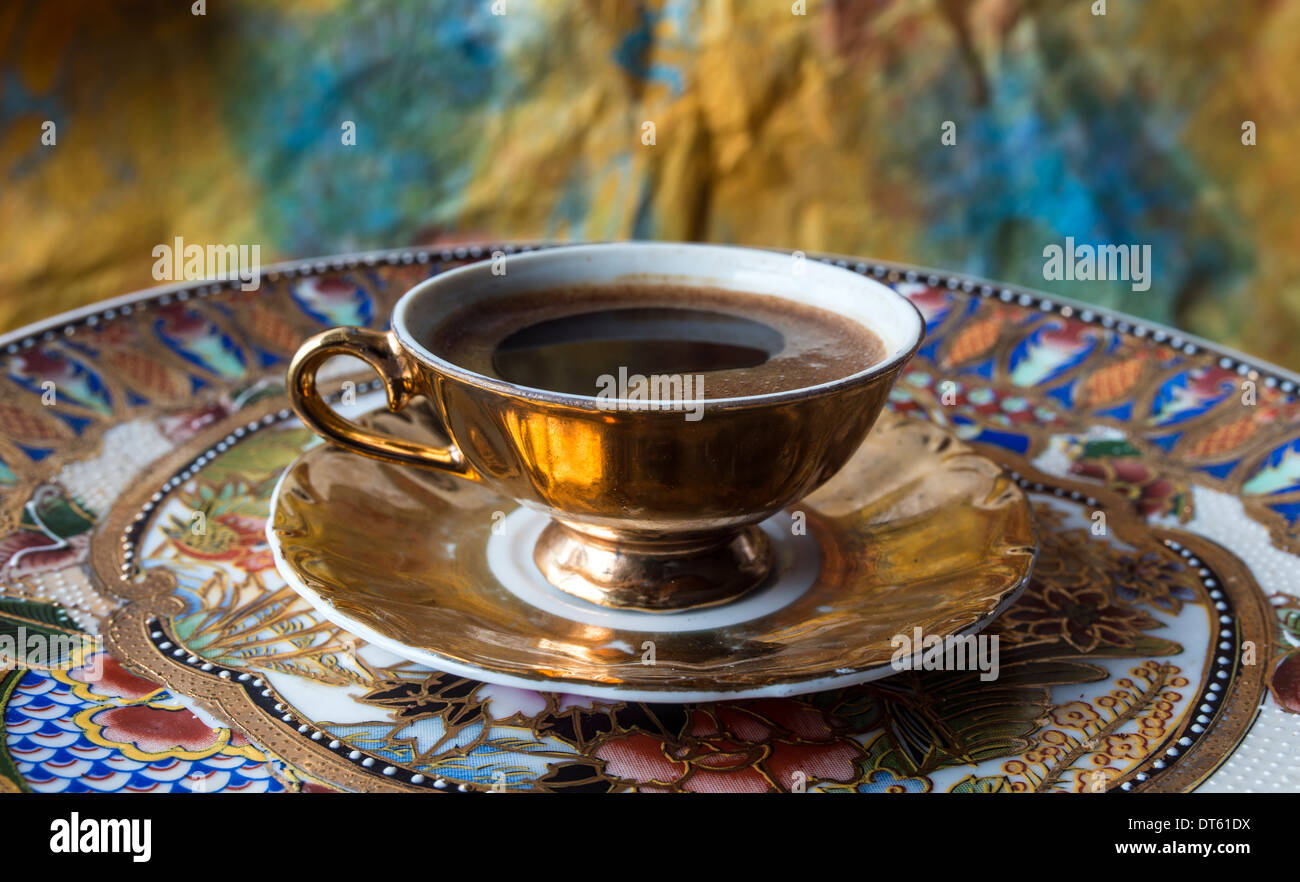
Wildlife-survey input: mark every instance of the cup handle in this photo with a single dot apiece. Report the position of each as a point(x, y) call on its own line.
point(383, 353)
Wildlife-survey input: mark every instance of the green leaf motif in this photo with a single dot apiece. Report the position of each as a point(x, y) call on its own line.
point(1109, 448)
point(31, 611)
point(21, 619)
point(987, 784)
point(1145, 646)
point(259, 456)
point(1289, 619)
point(934, 719)
point(53, 513)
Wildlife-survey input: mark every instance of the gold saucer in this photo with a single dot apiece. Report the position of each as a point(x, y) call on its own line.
point(917, 531)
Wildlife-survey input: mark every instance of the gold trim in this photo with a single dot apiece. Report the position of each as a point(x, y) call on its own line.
point(1246, 688)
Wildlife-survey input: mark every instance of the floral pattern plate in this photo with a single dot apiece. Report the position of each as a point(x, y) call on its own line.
point(1156, 648)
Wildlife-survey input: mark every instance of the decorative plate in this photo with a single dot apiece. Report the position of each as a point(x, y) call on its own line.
point(1156, 648)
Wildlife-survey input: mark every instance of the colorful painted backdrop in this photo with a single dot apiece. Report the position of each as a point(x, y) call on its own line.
point(816, 131)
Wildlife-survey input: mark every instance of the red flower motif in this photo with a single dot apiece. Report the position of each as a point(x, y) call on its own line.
point(1151, 494)
point(183, 426)
point(338, 290)
point(179, 321)
point(114, 680)
point(744, 747)
point(1070, 335)
point(155, 730)
point(1286, 683)
point(42, 363)
point(28, 552)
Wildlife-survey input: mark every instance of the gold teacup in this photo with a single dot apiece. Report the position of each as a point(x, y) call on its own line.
point(649, 510)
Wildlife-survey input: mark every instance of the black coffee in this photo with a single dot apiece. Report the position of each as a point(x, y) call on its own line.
point(574, 339)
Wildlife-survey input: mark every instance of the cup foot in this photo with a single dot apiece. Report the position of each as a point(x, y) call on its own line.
point(654, 576)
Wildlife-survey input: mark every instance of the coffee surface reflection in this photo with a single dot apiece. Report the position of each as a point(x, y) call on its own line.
point(567, 340)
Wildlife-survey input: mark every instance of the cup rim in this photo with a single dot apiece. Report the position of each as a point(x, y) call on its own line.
point(450, 277)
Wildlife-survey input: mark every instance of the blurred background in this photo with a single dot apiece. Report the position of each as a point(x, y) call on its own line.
point(822, 132)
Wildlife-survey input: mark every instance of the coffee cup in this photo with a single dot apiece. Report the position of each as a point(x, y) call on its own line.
point(653, 507)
